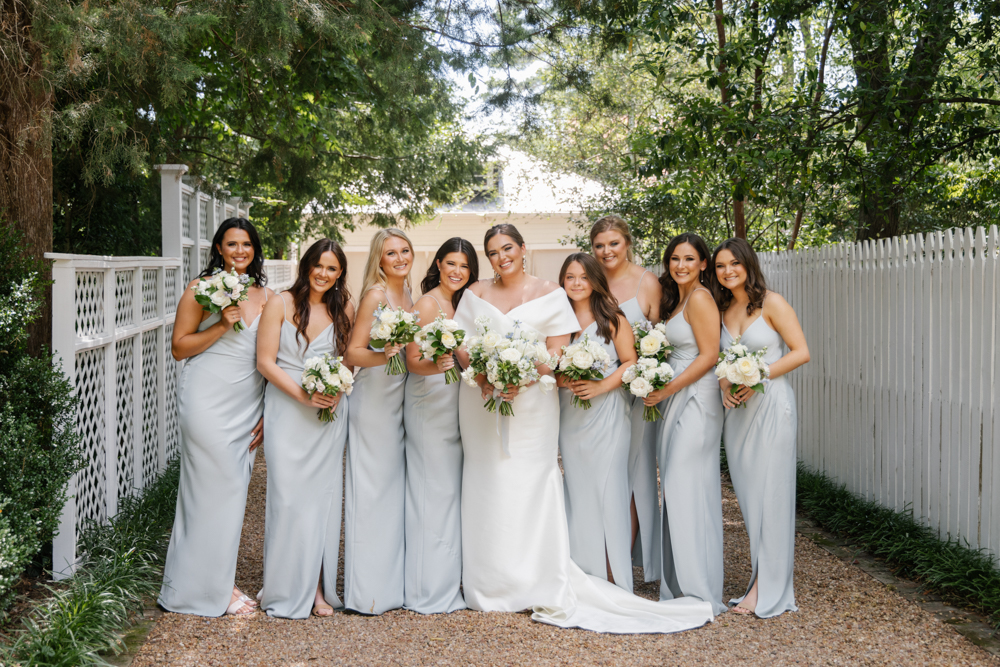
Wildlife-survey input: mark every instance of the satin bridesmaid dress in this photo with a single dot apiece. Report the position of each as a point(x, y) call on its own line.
point(760, 450)
point(305, 485)
point(374, 525)
point(594, 444)
point(433, 515)
point(690, 439)
point(642, 471)
point(220, 399)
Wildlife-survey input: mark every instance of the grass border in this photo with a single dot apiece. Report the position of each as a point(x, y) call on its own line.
point(89, 613)
point(913, 551)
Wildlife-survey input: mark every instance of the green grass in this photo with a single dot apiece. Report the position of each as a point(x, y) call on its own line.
point(87, 614)
point(954, 570)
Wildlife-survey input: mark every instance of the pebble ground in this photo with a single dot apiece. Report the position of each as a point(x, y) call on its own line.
point(845, 618)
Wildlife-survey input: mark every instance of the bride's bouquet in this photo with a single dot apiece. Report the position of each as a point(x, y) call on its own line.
point(742, 367)
point(221, 290)
point(439, 338)
point(643, 378)
point(327, 375)
point(393, 326)
point(651, 340)
point(505, 360)
point(583, 360)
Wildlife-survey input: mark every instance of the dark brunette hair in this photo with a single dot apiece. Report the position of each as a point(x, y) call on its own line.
point(755, 286)
point(215, 261)
point(433, 277)
point(505, 229)
point(603, 305)
point(671, 295)
point(336, 298)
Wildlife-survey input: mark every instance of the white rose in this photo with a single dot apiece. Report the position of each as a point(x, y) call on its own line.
point(646, 362)
point(408, 317)
point(221, 299)
point(629, 374)
point(649, 345)
point(733, 374)
point(490, 341)
point(388, 317)
point(583, 359)
point(448, 340)
point(449, 325)
point(746, 366)
point(231, 281)
point(720, 370)
point(320, 387)
point(564, 363)
point(383, 332)
point(640, 387)
point(511, 354)
point(345, 375)
point(333, 381)
point(739, 349)
point(649, 374)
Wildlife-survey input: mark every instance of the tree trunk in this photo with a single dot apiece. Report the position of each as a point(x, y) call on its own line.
point(26, 144)
point(879, 214)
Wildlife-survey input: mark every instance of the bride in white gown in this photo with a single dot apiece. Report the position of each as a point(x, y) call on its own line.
point(515, 539)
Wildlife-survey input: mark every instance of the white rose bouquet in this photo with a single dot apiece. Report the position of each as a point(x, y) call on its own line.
point(327, 375)
point(439, 338)
point(643, 378)
point(742, 367)
point(222, 289)
point(393, 326)
point(651, 340)
point(583, 360)
point(505, 360)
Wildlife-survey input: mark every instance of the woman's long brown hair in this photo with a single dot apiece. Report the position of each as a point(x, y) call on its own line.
point(755, 286)
point(336, 298)
point(603, 305)
point(671, 292)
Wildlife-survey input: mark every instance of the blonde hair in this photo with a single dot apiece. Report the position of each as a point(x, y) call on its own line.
point(612, 223)
point(374, 275)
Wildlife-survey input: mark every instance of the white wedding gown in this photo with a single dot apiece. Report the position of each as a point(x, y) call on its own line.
point(515, 539)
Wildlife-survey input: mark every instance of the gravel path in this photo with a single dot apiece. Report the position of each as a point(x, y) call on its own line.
point(846, 618)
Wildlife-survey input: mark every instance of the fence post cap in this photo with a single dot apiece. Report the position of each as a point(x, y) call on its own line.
point(171, 168)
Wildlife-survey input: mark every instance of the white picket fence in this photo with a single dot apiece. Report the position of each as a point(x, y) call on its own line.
point(898, 402)
point(112, 319)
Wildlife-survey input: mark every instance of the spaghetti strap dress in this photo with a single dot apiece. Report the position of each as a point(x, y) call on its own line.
point(690, 440)
point(220, 398)
point(305, 484)
point(760, 450)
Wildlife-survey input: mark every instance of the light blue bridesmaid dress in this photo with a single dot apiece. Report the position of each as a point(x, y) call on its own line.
point(220, 398)
point(376, 490)
point(433, 561)
point(642, 471)
point(760, 450)
point(305, 485)
point(690, 437)
point(594, 445)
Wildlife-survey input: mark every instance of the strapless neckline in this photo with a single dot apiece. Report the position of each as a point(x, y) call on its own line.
point(520, 305)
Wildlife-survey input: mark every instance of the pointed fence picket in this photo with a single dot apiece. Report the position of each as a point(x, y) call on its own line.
point(898, 402)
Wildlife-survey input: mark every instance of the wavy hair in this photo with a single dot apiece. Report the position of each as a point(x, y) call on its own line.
point(755, 286)
point(671, 295)
point(504, 228)
point(336, 298)
point(603, 305)
point(374, 275)
point(433, 277)
point(215, 261)
point(613, 223)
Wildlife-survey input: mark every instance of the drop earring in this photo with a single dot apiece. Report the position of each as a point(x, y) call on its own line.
point(524, 264)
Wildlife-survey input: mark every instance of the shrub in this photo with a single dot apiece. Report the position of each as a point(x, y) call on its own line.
point(15, 551)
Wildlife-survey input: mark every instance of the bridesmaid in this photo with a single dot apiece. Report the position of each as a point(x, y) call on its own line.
point(376, 464)
point(760, 437)
point(433, 562)
point(220, 402)
point(638, 294)
point(305, 456)
point(594, 443)
point(691, 429)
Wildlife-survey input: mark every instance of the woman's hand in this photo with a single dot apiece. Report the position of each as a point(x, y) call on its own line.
point(230, 316)
point(731, 400)
point(588, 389)
point(660, 395)
point(445, 362)
point(320, 401)
point(510, 393)
point(484, 387)
point(391, 350)
point(562, 381)
point(258, 435)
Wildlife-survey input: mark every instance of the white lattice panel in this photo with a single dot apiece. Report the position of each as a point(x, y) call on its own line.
point(204, 257)
point(149, 305)
point(170, 398)
point(186, 266)
point(149, 407)
point(89, 302)
point(186, 215)
point(203, 218)
point(123, 400)
point(91, 503)
point(123, 298)
point(170, 291)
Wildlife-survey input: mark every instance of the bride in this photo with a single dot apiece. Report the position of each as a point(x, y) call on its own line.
point(515, 540)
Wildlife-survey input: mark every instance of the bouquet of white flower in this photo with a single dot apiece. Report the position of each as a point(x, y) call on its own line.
point(742, 367)
point(327, 375)
point(583, 360)
point(393, 327)
point(505, 360)
point(651, 340)
point(643, 378)
point(439, 338)
point(221, 290)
